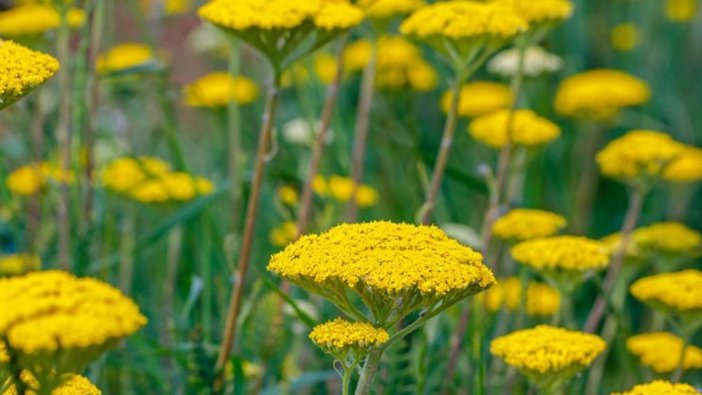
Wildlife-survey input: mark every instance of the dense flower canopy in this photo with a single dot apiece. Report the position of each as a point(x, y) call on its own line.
point(125, 56)
point(464, 20)
point(384, 259)
point(524, 224)
point(378, 9)
point(638, 154)
point(600, 94)
point(521, 127)
point(537, 12)
point(679, 291)
point(339, 335)
point(661, 351)
point(479, 98)
point(21, 70)
point(243, 15)
point(567, 253)
point(216, 90)
point(660, 387)
point(548, 350)
point(33, 19)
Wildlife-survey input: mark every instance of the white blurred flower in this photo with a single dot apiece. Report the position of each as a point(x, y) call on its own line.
point(298, 131)
point(537, 61)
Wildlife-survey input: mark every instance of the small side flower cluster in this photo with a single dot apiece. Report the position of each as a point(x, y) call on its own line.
point(660, 387)
point(71, 384)
point(526, 224)
point(31, 179)
point(216, 90)
point(150, 180)
point(527, 129)
point(22, 70)
point(661, 351)
point(339, 336)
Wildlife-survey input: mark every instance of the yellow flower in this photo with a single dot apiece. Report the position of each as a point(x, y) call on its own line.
point(288, 195)
point(600, 94)
point(125, 56)
point(660, 387)
point(669, 238)
point(124, 174)
point(22, 70)
point(661, 351)
point(30, 179)
point(341, 189)
point(57, 323)
point(547, 352)
point(170, 7)
point(539, 12)
point(384, 262)
point(339, 336)
point(479, 98)
point(283, 234)
point(325, 67)
point(71, 384)
point(357, 55)
point(687, 167)
point(319, 186)
point(171, 187)
point(34, 19)
point(215, 90)
point(639, 154)
point(681, 10)
point(526, 224)
point(541, 299)
point(566, 253)
point(679, 291)
point(241, 15)
point(625, 37)
point(527, 129)
point(381, 9)
point(464, 21)
point(16, 264)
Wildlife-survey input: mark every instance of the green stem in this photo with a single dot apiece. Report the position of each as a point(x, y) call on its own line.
point(346, 378)
point(370, 367)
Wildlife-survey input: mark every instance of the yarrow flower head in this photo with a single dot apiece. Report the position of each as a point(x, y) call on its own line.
point(216, 90)
point(546, 354)
point(660, 387)
point(22, 70)
point(56, 323)
point(479, 98)
point(526, 127)
point(638, 156)
point(126, 57)
point(266, 24)
point(384, 9)
point(16, 264)
point(537, 61)
point(35, 19)
point(686, 168)
point(661, 351)
point(600, 94)
point(541, 299)
point(564, 261)
point(671, 239)
point(394, 268)
point(30, 179)
point(538, 13)
point(681, 10)
point(340, 337)
point(70, 384)
point(678, 293)
point(526, 224)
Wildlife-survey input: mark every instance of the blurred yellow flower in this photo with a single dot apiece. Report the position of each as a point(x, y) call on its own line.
point(687, 167)
point(600, 94)
point(661, 351)
point(479, 98)
point(660, 387)
point(525, 224)
point(681, 10)
point(525, 127)
point(541, 299)
point(31, 179)
point(669, 238)
point(678, 292)
point(22, 70)
point(341, 189)
point(125, 56)
point(283, 234)
point(339, 336)
point(540, 12)
point(288, 195)
point(215, 90)
point(16, 264)
point(548, 353)
point(71, 384)
point(625, 37)
point(563, 253)
point(639, 154)
point(325, 67)
point(381, 9)
point(34, 19)
point(123, 174)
